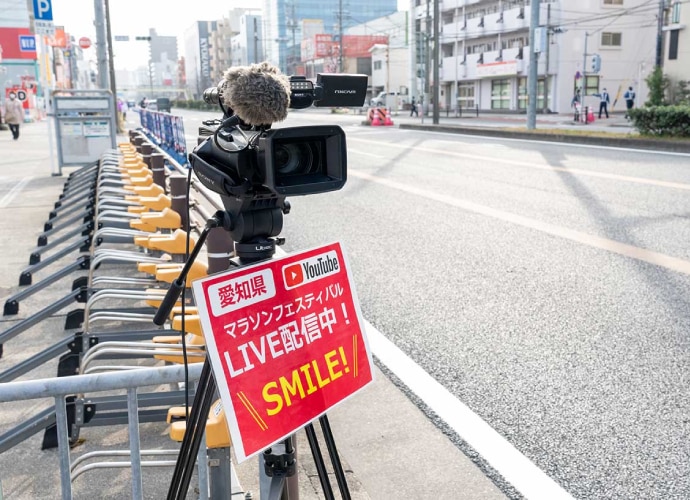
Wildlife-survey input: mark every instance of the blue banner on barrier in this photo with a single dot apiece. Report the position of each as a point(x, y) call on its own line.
point(167, 132)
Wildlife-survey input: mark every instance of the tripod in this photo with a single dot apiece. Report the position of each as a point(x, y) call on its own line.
point(279, 461)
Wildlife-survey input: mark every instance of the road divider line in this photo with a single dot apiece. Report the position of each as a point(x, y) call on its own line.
point(503, 457)
point(633, 252)
point(578, 171)
point(16, 189)
point(365, 153)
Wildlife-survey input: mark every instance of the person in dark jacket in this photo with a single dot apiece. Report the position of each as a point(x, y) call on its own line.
point(604, 101)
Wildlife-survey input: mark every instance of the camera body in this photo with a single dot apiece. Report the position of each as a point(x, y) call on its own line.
point(254, 168)
point(287, 161)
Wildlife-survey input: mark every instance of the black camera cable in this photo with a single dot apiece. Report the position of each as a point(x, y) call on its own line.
point(182, 321)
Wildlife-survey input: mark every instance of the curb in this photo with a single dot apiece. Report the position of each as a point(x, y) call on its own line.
point(633, 142)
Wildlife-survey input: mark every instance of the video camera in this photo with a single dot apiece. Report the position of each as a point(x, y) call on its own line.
point(249, 160)
point(254, 168)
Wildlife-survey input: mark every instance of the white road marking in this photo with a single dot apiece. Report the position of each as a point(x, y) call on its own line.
point(516, 468)
point(649, 256)
point(487, 160)
point(365, 153)
point(505, 459)
point(16, 189)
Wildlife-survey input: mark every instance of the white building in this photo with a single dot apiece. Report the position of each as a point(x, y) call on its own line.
point(484, 51)
point(390, 69)
point(247, 45)
point(677, 40)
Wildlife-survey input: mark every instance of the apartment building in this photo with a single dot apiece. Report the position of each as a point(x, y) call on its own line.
point(235, 41)
point(485, 51)
point(677, 43)
point(219, 49)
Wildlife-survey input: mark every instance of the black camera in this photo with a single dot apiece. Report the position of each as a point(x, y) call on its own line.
point(240, 160)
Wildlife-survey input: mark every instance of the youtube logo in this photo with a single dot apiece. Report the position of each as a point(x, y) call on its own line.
point(293, 275)
point(311, 269)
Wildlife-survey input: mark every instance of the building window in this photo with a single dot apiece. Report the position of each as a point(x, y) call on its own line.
point(591, 84)
point(466, 95)
point(500, 94)
point(675, 13)
point(609, 39)
point(378, 64)
point(523, 94)
point(613, 2)
point(673, 45)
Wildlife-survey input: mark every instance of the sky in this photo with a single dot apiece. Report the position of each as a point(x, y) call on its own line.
point(136, 17)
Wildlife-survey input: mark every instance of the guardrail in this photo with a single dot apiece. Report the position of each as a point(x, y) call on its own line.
point(60, 387)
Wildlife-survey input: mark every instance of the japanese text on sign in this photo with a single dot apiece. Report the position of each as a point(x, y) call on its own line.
point(278, 334)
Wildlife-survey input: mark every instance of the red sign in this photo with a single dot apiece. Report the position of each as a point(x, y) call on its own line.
point(84, 42)
point(11, 42)
point(359, 45)
point(286, 343)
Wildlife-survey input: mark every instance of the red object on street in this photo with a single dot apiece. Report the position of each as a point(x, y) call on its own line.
point(286, 342)
point(84, 42)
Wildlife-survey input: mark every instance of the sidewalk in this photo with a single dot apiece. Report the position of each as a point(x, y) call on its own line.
point(615, 131)
point(389, 448)
point(617, 123)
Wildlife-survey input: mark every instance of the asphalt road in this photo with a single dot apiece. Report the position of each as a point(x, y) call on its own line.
point(545, 286)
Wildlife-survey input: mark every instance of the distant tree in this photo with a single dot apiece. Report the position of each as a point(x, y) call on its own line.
point(658, 84)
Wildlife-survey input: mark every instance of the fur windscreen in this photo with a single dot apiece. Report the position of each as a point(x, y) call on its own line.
point(259, 94)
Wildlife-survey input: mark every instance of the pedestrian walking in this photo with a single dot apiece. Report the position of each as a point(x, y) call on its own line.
point(604, 101)
point(629, 97)
point(413, 108)
point(576, 103)
point(14, 114)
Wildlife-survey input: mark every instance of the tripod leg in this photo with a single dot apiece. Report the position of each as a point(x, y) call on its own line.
point(192, 437)
point(335, 458)
point(319, 463)
point(278, 472)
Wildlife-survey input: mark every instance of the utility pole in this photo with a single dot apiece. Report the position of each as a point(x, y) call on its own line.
point(427, 57)
point(388, 75)
point(584, 70)
point(548, 50)
point(437, 43)
point(340, 35)
point(292, 25)
point(101, 55)
point(111, 66)
point(533, 67)
point(256, 40)
point(659, 60)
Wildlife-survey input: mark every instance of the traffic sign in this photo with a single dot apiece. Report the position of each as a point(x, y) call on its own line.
point(27, 43)
point(43, 10)
point(43, 17)
point(84, 42)
point(286, 342)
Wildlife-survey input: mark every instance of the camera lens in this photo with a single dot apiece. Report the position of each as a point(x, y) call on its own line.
point(295, 158)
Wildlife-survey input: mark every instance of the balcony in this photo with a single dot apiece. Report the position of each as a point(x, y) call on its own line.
point(490, 64)
point(506, 21)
